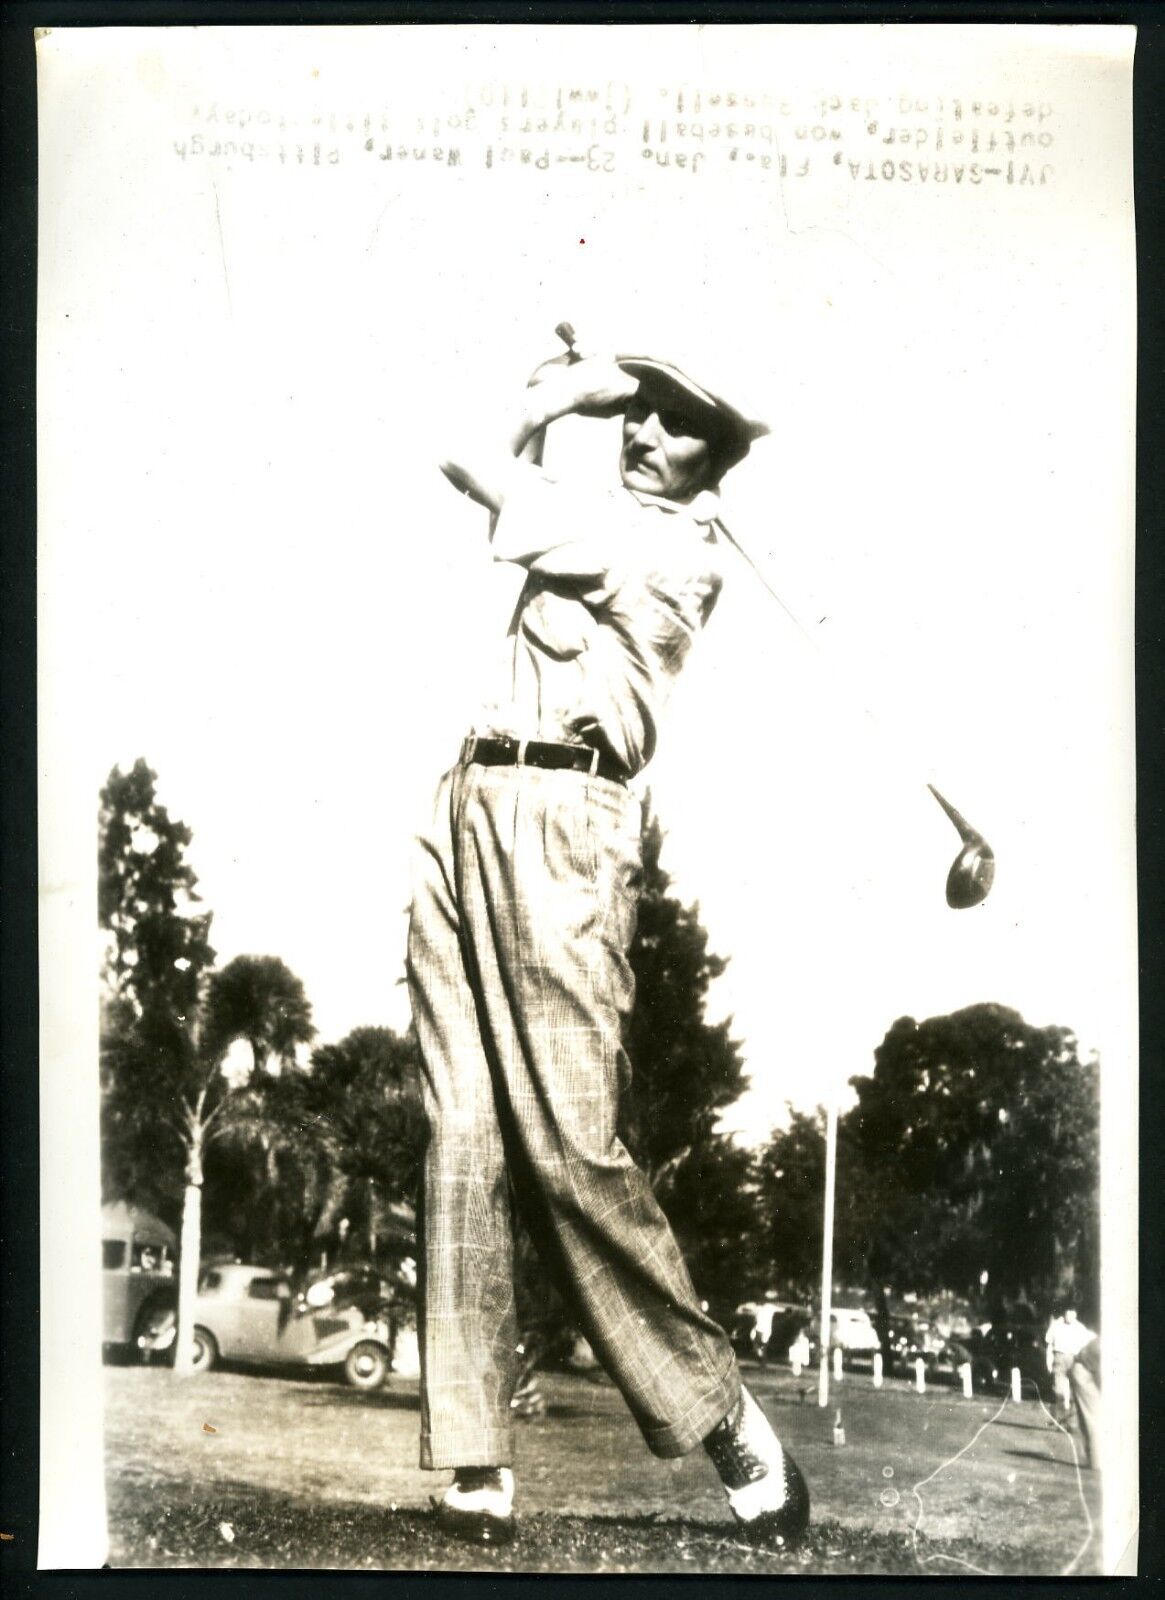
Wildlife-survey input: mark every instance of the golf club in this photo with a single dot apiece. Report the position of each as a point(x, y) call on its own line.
point(973, 870)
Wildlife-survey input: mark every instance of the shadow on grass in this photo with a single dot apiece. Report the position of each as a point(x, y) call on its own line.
point(237, 1524)
point(368, 1399)
point(1039, 1426)
point(1047, 1458)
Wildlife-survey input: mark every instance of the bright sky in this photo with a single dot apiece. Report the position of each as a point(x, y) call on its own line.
point(256, 578)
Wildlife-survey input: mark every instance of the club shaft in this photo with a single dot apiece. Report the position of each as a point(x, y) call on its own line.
point(565, 331)
point(907, 758)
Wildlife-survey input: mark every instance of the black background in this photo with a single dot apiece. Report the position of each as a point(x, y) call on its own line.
point(19, 1177)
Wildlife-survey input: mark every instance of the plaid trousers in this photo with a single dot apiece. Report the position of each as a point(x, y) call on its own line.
point(524, 905)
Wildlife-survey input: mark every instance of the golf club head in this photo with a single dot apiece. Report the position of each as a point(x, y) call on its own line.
point(973, 869)
point(972, 874)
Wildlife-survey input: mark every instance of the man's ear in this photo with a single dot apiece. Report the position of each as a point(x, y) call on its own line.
point(726, 454)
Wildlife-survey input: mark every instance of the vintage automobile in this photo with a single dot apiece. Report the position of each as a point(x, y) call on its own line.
point(252, 1315)
point(765, 1330)
point(851, 1328)
point(138, 1263)
point(906, 1340)
point(1022, 1345)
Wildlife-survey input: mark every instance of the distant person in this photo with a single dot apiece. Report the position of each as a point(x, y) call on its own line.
point(958, 1352)
point(800, 1353)
point(761, 1335)
point(1084, 1381)
point(884, 1328)
point(1065, 1339)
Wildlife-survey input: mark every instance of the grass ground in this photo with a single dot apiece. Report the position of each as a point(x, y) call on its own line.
point(234, 1469)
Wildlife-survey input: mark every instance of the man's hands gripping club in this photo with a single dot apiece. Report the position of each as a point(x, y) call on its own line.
point(588, 386)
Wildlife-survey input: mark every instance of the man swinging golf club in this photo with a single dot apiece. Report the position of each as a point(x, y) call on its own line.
point(524, 907)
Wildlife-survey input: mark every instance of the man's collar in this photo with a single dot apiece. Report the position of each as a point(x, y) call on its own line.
point(704, 508)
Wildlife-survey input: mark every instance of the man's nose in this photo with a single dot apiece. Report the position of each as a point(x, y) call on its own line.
point(647, 432)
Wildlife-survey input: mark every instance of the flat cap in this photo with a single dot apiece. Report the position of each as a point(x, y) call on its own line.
point(748, 427)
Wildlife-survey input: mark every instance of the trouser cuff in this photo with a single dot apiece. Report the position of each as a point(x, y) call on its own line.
point(493, 1447)
point(677, 1438)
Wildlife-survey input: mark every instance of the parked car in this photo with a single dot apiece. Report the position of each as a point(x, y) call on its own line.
point(790, 1322)
point(138, 1254)
point(1021, 1344)
point(852, 1329)
point(765, 1329)
point(253, 1316)
point(973, 1349)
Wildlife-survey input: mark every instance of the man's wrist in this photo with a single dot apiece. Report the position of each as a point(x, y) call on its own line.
point(549, 400)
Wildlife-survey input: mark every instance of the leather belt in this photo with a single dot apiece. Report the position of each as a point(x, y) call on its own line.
point(499, 750)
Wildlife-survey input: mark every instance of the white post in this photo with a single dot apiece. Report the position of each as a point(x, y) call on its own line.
point(1016, 1385)
point(877, 1369)
point(837, 1363)
point(965, 1374)
point(920, 1375)
point(190, 1241)
point(827, 1252)
point(188, 1276)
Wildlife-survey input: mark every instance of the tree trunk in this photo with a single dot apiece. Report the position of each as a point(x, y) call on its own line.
point(189, 1257)
point(335, 1201)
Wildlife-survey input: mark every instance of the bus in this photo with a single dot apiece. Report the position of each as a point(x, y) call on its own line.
point(138, 1258)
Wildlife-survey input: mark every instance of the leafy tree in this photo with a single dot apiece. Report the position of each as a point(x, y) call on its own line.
point(264, 1179)
point(712, 1205)
point(973, 1147)
point(791, 1183)
point(361, 1107)
point(319, 1150)
point(156, 954)
point(259, 1161)
point(158, 946)
point(980, 1132)
point(363, 1097)
point(259, 999)
point(685, 1072)
point(164, 1033)
point(1046, 1205)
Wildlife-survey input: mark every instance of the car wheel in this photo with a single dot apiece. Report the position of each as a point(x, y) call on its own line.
point(154, 1322)
point(205, 1350)
point(366, 1366)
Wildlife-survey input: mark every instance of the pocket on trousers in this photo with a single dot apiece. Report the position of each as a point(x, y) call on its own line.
point(568, 842)
point(619, 871)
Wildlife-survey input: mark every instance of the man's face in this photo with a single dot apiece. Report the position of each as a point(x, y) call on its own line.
point(666, 444)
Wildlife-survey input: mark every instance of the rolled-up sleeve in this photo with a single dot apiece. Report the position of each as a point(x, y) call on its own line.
point(563, 530)
point(568, 530)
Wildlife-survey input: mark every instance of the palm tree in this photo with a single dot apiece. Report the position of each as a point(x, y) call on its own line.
point(337, 1143)
point(360, 1107)
point(257, 998)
